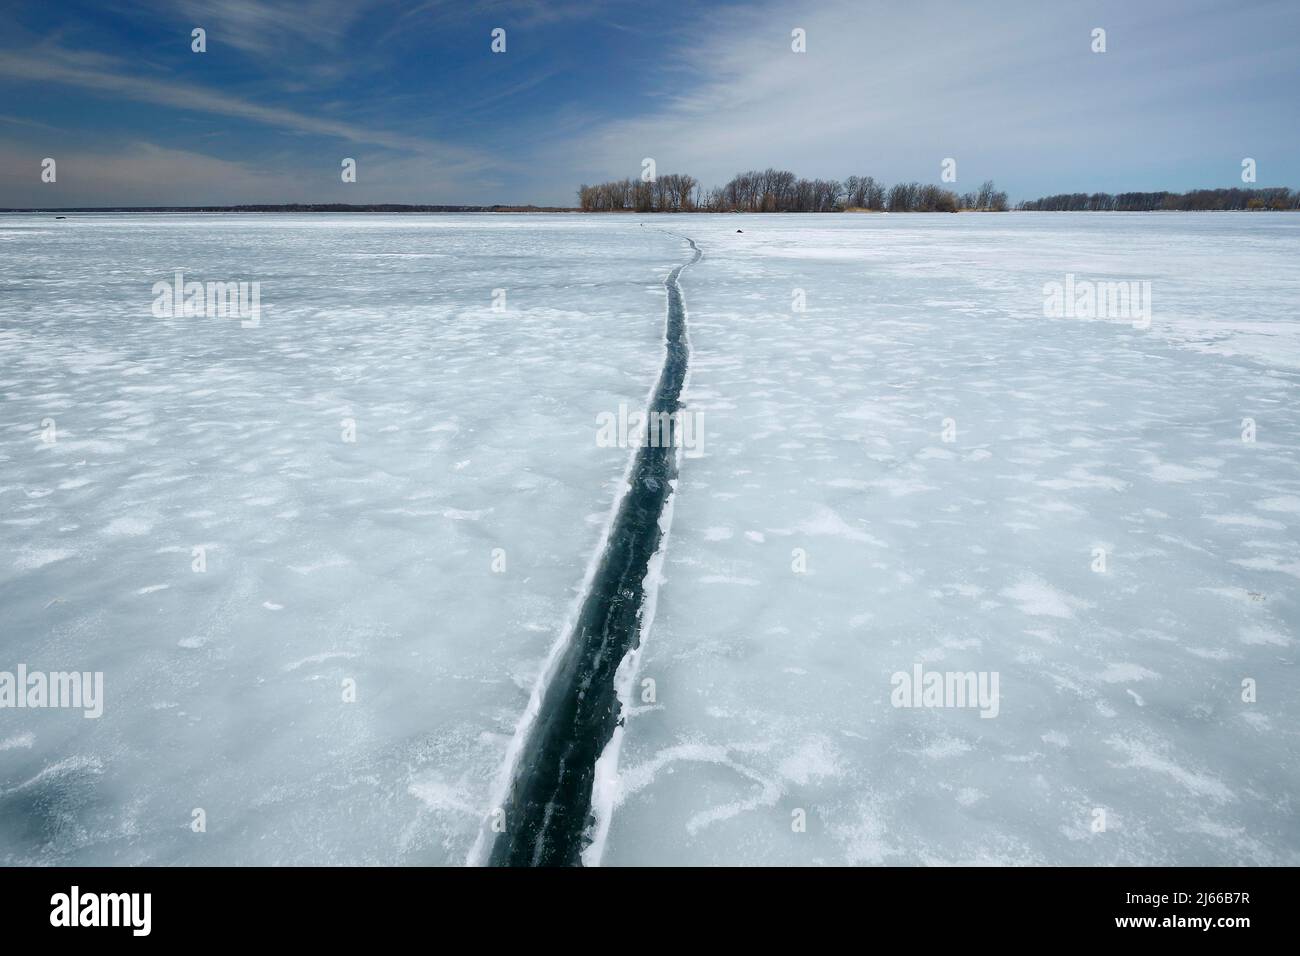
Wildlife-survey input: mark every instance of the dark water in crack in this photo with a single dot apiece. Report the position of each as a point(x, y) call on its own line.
point(549, 806)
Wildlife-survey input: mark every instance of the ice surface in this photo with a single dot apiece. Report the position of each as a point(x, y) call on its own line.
point(824, 431)
point(1120, 691)
point(326, 560)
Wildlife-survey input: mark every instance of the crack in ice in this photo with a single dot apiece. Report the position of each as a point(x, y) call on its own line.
point(546, 817)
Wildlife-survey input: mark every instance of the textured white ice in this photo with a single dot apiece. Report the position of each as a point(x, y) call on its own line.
point(326, 560)
point(1119, 691)
point(372, 561)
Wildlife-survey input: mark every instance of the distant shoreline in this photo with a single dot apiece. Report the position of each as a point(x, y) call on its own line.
point(423, 209)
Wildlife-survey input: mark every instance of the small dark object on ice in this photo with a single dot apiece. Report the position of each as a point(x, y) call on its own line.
point(740, 230)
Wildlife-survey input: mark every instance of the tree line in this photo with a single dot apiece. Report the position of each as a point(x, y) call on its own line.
point(779, 190)
point(1197, 200)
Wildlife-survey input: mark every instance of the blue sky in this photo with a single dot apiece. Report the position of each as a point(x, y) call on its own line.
point(1012, 90)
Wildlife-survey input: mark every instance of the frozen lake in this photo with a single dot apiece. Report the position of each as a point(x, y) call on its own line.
point(322, 558)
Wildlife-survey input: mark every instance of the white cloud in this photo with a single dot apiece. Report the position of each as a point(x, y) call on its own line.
point(1013, 92)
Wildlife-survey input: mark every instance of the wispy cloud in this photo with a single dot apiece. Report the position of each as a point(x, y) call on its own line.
point(521, 13)
point(102, 76)
point(139, 174)
point(33, 124)
point(142, 173)
point(269, 26)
